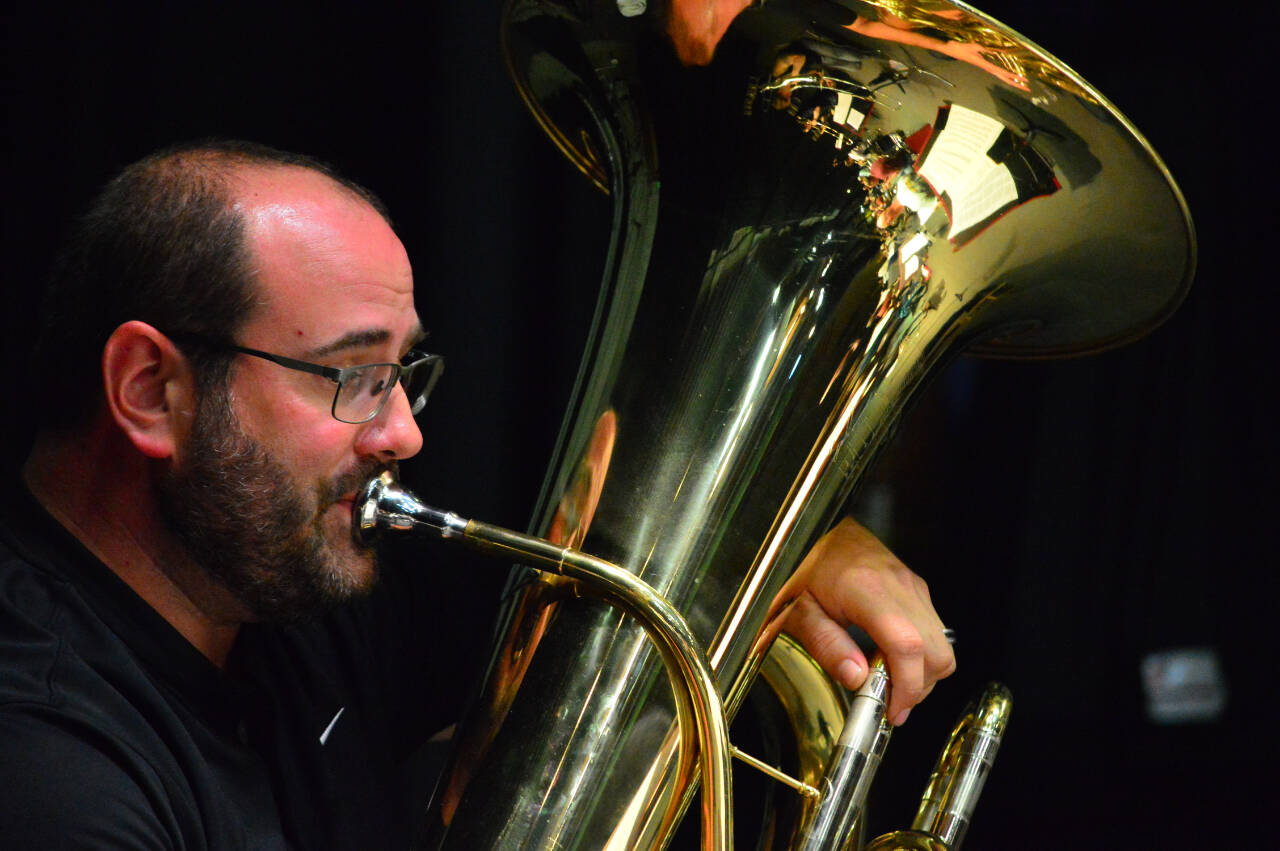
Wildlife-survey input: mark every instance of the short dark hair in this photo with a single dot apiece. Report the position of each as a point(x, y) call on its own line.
point(161, 243)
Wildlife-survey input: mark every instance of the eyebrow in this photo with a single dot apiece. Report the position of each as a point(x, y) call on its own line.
point(365, 338)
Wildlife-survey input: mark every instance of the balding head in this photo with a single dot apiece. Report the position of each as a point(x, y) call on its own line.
point(164, 243)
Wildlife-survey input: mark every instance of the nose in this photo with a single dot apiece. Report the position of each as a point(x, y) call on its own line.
point(393, 433)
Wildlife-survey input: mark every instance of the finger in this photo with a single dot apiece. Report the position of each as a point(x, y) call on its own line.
point(914, 669)
point(827, 642)
point(903, 649)
point(942, 658)
point(895, 609)
point(852, 578)
point(936, 661)
point(889, 610)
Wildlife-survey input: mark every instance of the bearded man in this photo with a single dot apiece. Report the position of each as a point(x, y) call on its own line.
point(197, 651)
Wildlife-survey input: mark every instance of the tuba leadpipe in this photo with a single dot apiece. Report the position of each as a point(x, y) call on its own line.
point(846, 197)
point(383, 505)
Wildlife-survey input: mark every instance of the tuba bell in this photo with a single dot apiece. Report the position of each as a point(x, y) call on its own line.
point(844, 198)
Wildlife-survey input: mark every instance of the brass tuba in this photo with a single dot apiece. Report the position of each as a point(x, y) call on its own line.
point(847, 196)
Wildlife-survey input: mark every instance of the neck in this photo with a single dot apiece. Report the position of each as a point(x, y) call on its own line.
point(99, 488)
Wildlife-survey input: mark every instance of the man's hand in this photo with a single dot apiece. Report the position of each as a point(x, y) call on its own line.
point(851, 578)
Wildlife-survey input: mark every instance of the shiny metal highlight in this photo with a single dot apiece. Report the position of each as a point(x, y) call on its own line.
point(385, 505)
point(807, 708)
point(776, 774)
point(952, 793)
point(962, 769)
point(852, 765)
point(844, 199)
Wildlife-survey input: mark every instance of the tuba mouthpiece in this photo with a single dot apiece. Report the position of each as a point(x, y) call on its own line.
point(386, 506)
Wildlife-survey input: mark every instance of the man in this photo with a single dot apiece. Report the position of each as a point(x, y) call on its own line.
point(195, 652)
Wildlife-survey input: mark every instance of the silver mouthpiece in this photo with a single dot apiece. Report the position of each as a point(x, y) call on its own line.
point(384, 505)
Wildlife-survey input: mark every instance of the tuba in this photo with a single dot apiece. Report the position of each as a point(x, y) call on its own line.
point(845, 197)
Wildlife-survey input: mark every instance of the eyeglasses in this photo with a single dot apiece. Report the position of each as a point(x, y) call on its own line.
point(362, 390)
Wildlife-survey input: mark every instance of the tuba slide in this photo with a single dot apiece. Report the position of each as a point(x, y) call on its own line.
point(845, 197)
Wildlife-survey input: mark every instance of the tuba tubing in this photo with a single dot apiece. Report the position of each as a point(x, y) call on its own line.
point(952, 793)
point(383, 505)
point(803, 232)
point(852, 764)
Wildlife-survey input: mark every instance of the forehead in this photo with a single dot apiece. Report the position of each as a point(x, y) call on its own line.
point(325, 264)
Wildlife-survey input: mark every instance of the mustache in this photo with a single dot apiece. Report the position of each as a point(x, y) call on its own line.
point(354, 480)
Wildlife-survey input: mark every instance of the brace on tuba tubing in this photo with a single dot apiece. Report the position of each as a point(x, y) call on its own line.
point(847, 196)
point(384, 505)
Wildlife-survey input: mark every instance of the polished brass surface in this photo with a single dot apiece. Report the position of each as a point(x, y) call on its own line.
point(812, 705)
point(801, 711)
point(852, 765)
point(775, 773)
point(847, 196)
point(385, 505)
point(957, 780)
point(907, 840)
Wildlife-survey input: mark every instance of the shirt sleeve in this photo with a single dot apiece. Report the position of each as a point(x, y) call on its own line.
point(61, 791)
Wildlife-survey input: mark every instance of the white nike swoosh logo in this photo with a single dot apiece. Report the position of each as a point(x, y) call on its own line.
point(324, 737)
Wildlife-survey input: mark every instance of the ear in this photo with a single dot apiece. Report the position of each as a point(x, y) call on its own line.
point(149, 387)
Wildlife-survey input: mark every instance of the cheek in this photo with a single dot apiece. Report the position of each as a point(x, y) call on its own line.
point(299, 434)
point(317, 450)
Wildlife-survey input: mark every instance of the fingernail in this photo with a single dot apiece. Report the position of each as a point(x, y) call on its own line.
point(902, 718)
point(850, 673)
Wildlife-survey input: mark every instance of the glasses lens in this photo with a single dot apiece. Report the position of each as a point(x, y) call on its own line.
point(362, 392)
point(419, 377)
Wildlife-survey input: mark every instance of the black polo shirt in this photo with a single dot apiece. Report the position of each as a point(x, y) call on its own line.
point(115, 732)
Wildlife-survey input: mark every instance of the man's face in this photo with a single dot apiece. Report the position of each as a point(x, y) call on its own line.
point(267, 476)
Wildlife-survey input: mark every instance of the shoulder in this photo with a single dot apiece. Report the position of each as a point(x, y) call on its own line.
point(72, 776)
point(64, 791)
point(32, 604)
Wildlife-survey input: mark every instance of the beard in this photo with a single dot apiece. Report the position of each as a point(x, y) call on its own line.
point(251, 526)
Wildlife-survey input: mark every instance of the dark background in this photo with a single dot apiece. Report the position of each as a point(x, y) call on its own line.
point(1070, 517)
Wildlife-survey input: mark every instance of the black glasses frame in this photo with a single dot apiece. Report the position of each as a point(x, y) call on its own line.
point(340, 375)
